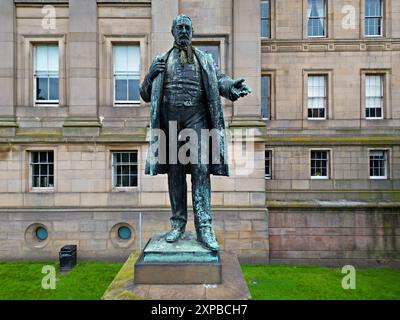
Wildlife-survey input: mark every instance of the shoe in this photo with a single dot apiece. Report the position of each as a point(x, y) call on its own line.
point(206, 236)
point(174, 235)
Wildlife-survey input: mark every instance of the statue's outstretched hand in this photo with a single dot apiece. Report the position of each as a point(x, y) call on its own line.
point(157, 68)
point(240, 89)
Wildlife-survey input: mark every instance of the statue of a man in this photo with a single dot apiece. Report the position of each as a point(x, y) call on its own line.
point(184, 87)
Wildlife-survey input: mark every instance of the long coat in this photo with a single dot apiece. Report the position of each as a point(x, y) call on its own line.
point(216, 84)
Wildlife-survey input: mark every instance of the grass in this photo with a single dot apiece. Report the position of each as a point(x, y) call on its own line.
point(89, 280)
point(278, 282)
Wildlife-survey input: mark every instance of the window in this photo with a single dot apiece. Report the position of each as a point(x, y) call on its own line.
point(316, 97)
point(213, 50)
point(316, 18)
point(42, 169)
point(265, 18)
point(374, 96)
point(266, 96)
point(125, 169)
point(373, 17)
point(319, 164)
point(46, 74)
point(126, 74)
point(378, 164)
point(268, 164)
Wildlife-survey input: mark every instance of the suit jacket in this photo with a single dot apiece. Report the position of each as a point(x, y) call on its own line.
point(216, 84)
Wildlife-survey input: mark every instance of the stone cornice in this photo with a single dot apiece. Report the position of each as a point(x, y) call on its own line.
point(49, 135)
point(328, 45)
point(331, 205)
point(322, 140)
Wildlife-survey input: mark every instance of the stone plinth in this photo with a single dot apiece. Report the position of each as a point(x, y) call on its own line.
point(182, 262)
point(233, 286)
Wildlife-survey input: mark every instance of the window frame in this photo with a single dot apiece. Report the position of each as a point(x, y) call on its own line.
point(125, 103)
point(266, 18)
point(219, 40)
point(45, 103)
point(382, 84)
point(386, 23)
point(198, 44)
point(326, 92)
point(272, 109)
point(328, 168)
point(382, 20)
point(387, 154)
point(30, 170)
point(387, 110)
point(25, 62)
point(106, 67)
point(325, 17)
point(270, 76)
point(270, 176)
point(113, 176)
point(329, 108)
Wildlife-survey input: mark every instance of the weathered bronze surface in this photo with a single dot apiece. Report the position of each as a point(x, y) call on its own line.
point(185, 250)
point(184, 87)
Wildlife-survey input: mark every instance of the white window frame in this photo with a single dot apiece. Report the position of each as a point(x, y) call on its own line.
point(326, 90)
point(113, 173)
point(386, 154)
point(328, 165)
point(41, 189)
point(325, 19)
point(45, 103)
point(380, 17)
point(382, 84)
point(125, 103)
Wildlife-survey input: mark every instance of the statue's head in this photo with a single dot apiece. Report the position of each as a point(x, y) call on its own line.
point(182, 30)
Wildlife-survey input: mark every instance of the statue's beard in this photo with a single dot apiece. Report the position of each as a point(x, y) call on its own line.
point(184, 42)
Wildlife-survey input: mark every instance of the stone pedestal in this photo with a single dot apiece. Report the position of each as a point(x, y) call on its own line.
point(182, 262)
point(233, 286)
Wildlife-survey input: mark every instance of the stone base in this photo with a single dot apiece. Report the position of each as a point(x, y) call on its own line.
point(232, 287)
point(182, 262)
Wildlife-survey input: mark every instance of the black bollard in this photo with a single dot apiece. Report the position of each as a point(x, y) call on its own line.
point(68, 257)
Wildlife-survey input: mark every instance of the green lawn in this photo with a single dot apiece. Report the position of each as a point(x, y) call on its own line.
point(89, 280)
point(319, 283)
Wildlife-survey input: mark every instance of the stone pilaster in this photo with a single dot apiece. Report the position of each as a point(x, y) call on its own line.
point(162, 12)
point(7, 68)
point(247, 56)
point(83, 69)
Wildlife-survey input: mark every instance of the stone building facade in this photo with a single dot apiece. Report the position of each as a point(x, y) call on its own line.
point(319, 187)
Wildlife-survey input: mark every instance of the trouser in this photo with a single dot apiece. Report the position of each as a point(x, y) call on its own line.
point(194, 117)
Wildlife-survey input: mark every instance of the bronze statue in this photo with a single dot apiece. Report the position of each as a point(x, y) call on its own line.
point(184, 87)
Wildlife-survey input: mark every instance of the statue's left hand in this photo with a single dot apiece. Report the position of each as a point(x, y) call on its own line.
point(240, 89)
